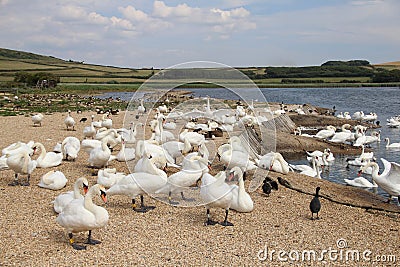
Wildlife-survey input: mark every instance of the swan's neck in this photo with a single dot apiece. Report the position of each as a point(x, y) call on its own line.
point(375, 170)
point(77, 193)
point(42, 151)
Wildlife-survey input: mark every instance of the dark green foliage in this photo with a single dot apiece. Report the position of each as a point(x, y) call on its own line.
point(32, 79)
point(386, 76)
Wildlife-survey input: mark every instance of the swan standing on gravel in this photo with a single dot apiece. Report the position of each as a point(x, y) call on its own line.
point(389, 179)
point(141, 108)
point(37, 119)
point(21, 163)
point(47, 159)
point(83, 215)
point(54, 180)
point(391, 145)
point(62, 200)
point(70, 147)
point(241, 200)
point(69, 121)
point(215, 193)
point(106, 121)
point(89, 131)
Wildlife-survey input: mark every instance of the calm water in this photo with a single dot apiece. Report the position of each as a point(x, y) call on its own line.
point(383, 101)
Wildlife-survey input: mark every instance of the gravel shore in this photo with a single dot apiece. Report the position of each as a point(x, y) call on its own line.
point(176, 236)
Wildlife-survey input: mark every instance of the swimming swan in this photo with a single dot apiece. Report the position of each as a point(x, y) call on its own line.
point(83, 215)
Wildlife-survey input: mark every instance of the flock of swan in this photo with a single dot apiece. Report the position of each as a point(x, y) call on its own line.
point(186, 151)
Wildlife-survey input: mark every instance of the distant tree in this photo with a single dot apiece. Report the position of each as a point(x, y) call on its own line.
point(32, 79)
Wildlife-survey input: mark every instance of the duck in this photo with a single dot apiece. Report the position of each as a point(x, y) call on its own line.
point(54, 180)
point(360, 182)
point(391, 145)
point(216, 193)
point(47, 159)
point(62, 200)
point(70, 147)
point(241, 200)
point(388, 180)
point(21, 163)
point(268, 185)
point(109, 176)
point(37, 119)
point(181, 180)
point(83, 215)
point(315, 204)
point(69, 121)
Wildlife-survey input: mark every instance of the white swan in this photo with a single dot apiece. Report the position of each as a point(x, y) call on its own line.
point(360, 182)
point(391, 145)
point(241, 200)
point(161, 135)
point(176, 149)
point(88, 145)
point(189, 175)
point(110, 136)
point(216, 193)
point(69, 121)
point(21, 163)
point(389, 179)
point(89, 131)
point(54, 180)
point(315, 171)
point(109, 176)
point(195, 139)
point(83, 215)
point(70, 147)
point(62, 200)
point(37, 119)
point(47, 159)
point(138, 183)
point(141, 109)
point(100, 156)
point(279, 164)
point(126, 153)
point(106, 121)
point(326, 133)
point(18, 147)
point(231, 158)
point(3, 163)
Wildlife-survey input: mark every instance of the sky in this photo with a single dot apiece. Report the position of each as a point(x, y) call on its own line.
point(237, 33)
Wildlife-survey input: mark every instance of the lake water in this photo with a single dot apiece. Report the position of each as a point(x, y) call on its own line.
point(383, 101)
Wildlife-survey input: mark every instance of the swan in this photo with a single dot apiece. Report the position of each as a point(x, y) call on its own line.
point(70, 147)
point(18, 147)
point(21, 163)
point(315, 170)
point(138, 183)
point(62, 200)
point(231, 158)
point(159, 156)
point(360, 182)
point(83, 215)
point(99, 156)
point(54, 180)
point(322, 156)
point(47, 159)
point(241, 200)
point(189, 175)
point(126, 153)
point(216, 193)
point(3, 163)
point(162, 109)
point(129, 135)
point(161, 135)
point(69, 121)
point(108, 177)
point(57, 148)
point(343, 136)
point(366, 155)
point(89, 131)
point(273, 161)
point(110, 136)
point(389, 179)
point(176, 149)
point(106, 121)
point(303, 167)
point(391, 145)
point(37, 119)
point(326, 133)
point(195, 139)
point(88, 145)
point(141, 109)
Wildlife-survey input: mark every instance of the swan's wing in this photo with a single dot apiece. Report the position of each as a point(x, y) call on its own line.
point(394, 175)
point(387, 167)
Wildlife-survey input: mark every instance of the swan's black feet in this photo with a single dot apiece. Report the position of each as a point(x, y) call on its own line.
point(226, 223)
point(173, 203)
point(92, 242)
point(25, 183)
point(210, 222)
point(144, 209)
point(78, 247)
point(14, 183)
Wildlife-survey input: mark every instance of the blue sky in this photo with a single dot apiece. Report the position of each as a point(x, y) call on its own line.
point(145, 33)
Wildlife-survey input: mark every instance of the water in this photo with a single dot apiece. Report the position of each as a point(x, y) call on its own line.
point(383, 101)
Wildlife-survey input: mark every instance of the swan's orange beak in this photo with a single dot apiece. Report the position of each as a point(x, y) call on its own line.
point(231, 176)
point(104, 197)
point(85, 189)
point(359, 172)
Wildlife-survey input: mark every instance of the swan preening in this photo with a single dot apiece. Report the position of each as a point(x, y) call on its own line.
point(389, 179)
point(83, 215)
point(54, 180)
